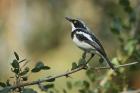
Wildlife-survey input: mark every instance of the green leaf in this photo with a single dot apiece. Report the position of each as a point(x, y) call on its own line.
point(132, 17)
point(78, 83)
point(26, 70)
point(51, 92)
point(86, 84)
point(2, 84)
point(35, 70)
point(124, 2)
point(74, 66)
point(15, 70)
point(64, 91)
point(16, 55)
point(126, 5)
point(81, 62)
point(51, 80)
point(90, 91)
point(107, 85)
point(128, 9)
point(91, 75)
point(69, 85)
point(40, 66)
point(82, 91)
point(25, 78)
point(101, 60)
point(28, 90)
point(116, 25)
point(130, 46)
point(46, 68)
point(15, 64)
point(22, 60)
point(46, 87)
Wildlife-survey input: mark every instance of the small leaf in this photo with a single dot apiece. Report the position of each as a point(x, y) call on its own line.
point(51, 80)
point(128, 9)
point(22, 60)
point(28, 90)
point(91, 75)
point(126, 5)
point(74, 66)
point(101, 60)
point(64, 91)
point(25, 78)
point(2, 84)
point(124, 2)
point(15, 64)
point(35, 70)
point(16, 55)
point(16, 70)
point(81, 62)
point(46, 87)
point(107, 85)
point(116, 25)
point(130, 46)
point(90, 91)
point(132, 16)
point(78, 83)
point(26, 70)
point(69, 85)
point(82, 91)
point(52, 91)
point(40, 66)
point(86, 84)
point(46, 68)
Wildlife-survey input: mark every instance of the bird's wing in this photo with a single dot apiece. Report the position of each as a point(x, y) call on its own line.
point(100, 47)
point(89, 38)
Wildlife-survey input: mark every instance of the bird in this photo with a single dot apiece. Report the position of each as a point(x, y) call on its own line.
point(86, 40)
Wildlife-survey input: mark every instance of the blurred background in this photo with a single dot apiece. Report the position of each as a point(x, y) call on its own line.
point(37, 30)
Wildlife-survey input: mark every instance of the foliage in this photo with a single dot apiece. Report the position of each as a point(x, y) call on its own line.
point(21, 73)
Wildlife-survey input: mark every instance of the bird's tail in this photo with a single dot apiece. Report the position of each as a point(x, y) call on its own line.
point(110, 64)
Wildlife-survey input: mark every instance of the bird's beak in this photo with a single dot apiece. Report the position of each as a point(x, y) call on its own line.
point(69, 19)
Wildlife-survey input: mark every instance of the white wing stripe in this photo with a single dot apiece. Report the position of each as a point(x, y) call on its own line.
point(86, 35)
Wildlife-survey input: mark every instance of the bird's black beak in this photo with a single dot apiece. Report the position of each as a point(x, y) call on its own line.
point(69, 19)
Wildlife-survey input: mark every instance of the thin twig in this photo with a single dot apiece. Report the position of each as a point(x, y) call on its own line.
point(24, 64)
point(124, 65)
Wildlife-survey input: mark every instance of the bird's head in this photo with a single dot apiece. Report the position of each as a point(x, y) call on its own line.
point(76, 23)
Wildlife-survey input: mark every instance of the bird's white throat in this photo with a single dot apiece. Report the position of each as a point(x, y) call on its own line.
point(73, 28)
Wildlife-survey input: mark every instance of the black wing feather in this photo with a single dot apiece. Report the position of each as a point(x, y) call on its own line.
point(97, 45)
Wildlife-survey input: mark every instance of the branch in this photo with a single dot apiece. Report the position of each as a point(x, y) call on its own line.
point(124, 65)
point(64, 75)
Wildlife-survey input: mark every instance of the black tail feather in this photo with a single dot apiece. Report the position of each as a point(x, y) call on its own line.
point(111, 65)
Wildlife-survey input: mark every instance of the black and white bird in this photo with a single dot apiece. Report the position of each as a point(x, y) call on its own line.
point(86, 40)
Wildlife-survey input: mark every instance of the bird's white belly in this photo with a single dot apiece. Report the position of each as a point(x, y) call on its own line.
point(82, 44)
